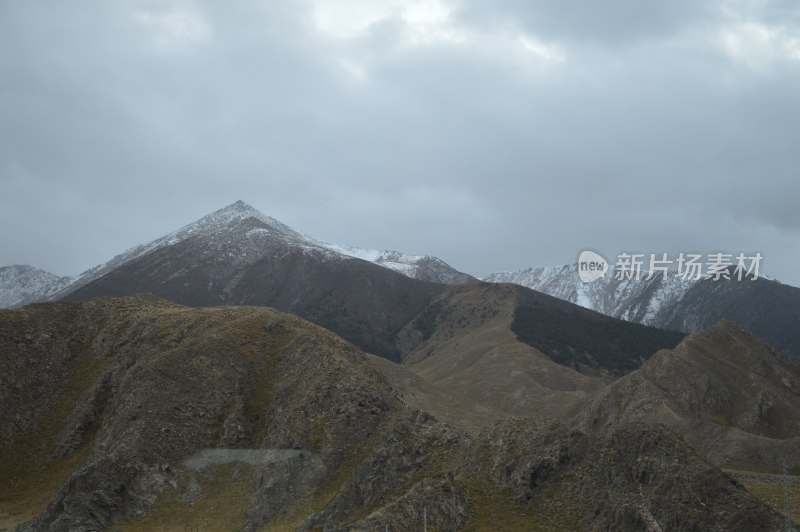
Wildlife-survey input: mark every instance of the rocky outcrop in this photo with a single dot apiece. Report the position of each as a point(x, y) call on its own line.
point(735, 399)
point(640, 477)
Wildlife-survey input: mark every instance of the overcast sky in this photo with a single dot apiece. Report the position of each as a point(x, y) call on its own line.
point(495, 134)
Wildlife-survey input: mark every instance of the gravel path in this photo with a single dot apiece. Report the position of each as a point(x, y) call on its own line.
point(209, 457)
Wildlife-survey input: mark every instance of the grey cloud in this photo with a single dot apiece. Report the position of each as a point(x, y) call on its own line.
point(586, 21)
point(472, 151)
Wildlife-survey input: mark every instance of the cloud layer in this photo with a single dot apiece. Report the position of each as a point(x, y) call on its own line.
point(494, 134)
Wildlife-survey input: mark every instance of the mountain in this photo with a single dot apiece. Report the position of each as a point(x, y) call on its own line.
point(508, 349)
point(211, 223)
point(763, 306)
point(736, 400)
point(481, 352)
point(141, 414)
point(237, 256)
point(494, 350)
point(22, 283)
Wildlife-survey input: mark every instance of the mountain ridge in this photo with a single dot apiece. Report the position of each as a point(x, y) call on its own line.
point(421, 267)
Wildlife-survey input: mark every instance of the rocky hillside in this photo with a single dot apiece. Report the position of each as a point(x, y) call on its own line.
point(496, 350)
point(143, 414)
point(641, 477)
point(733, 397)
point(463, 342)
point(111, 407)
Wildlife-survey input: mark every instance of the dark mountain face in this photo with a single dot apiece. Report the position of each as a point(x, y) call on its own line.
point(252, 263)
point(768, 309)
point(579, 338)
point(144, 414)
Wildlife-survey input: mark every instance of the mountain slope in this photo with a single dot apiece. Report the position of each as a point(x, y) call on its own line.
point(113, 418)
point(143, 414)
point(641, 477)
point(22, 283)
point(568, 334)
point(463, 342)
point(581, 338)
point(476, 343)
point(735, 399)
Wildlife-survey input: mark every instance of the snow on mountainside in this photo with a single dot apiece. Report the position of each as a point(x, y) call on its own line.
point(423, 267)
point(641, 300)
point(419, 267)
point(400, 262)
point(21, 283)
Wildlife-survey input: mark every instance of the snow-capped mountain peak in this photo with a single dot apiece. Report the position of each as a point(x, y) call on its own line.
point(223, 232)
point(233, 213)
point(20, 283)
point(216, 221)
